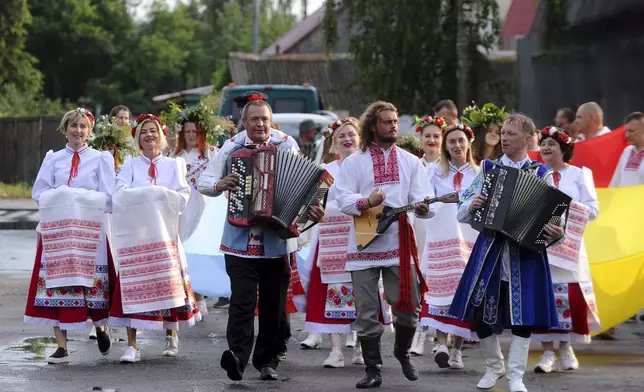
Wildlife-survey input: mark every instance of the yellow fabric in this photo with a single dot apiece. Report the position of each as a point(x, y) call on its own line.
point(615, 248)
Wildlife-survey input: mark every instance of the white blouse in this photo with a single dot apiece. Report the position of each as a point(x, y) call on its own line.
point(95, 171)
point(577, 183)
point(171, 173)
point(630, 169)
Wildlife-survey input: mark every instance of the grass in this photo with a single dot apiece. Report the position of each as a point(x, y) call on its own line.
point(20, 190)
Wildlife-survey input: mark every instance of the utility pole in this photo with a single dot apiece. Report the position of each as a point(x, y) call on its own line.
point(464, 15)
point(305, 13)
point(255, 26)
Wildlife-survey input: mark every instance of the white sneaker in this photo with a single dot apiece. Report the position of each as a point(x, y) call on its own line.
point(131, 355)
point(547, 363)
point(351, 339)
point(357, 355)
point(92, 334)
point(171, 346)
point(455, 359)
point(203, 308)
point(441, 357)
point(568, 359)
point(335, 359)
point(436, 346)
point(418, 344)
point(314, 340)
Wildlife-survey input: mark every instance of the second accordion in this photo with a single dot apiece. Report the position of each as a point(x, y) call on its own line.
point(276, 189)
point(519, 204)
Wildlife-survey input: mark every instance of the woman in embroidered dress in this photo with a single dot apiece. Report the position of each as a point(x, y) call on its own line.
point(152, 168)
point(448, 245)
point(430, 132)
point(329, 292)
point(62, 306)
point(571, 279)
point(195, 151)
point(486, 122)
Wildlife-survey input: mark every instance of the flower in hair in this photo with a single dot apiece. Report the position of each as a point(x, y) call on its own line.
point(420, 124)
point(463, 127)
point(332, 127)
point(89, 115)
point(556, 133)
point(151, 117)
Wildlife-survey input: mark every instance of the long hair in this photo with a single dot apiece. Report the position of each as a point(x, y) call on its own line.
point(201, 141)
point(478, 147)
point(369, 121)
point(446, 158)
point(329, 153)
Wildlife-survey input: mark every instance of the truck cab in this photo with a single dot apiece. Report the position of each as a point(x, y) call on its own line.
point(282, 98)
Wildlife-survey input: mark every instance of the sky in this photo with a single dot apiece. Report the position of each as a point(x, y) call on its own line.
point(313, 5)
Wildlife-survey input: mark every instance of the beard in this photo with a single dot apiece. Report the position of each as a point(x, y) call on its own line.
point(387, 139)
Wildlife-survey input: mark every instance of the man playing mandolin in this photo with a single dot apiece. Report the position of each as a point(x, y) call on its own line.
point(378, 176)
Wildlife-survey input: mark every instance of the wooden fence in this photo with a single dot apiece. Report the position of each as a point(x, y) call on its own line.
point(24, 141)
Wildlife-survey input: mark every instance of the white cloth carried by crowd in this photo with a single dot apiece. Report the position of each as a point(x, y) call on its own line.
point(566, 254)
point(146, 227)
point(71, 220)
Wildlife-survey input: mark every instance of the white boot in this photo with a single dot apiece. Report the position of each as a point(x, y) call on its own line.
point(495, 368)
point(418, 344)
point(351, 339)
point(314, 340)
point(547, 363)
point(568, 359)
point(335, 359)
point(517, 362)
point(171, 346)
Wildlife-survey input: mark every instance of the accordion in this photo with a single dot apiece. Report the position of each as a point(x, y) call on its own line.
point(276, 189)
point(519, 204)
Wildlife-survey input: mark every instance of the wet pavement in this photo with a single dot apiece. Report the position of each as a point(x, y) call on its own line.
point(605, 365)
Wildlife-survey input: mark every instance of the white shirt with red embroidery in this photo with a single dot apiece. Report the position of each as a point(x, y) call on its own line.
point(577, 183)
point(630, 169)
point(403, 179)
point(196, 163)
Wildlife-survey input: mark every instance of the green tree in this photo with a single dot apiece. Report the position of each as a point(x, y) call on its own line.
point(17, 66)
point(409, 52)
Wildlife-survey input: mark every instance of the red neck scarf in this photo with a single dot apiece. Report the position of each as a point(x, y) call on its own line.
point(556, 176)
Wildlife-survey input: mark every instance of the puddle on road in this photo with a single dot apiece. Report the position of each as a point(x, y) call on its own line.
point(35, 346)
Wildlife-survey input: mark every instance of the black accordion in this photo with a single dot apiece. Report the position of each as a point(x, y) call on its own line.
point(276, 189)
point(519, 204)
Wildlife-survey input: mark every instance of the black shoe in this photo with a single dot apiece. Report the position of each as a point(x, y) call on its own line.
point(268, 374)
point(230, 363)
point(104, 341)
point(372, 379)
point(222, 303)
point(59, 356)
point(404, 338)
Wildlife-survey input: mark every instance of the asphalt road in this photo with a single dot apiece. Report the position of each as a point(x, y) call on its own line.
point(605, 366)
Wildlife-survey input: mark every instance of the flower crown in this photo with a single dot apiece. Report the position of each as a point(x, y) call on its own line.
point(556, 133)
point(334, 126)
point(420, 124)
point(485, 116)
point(147, 116)
point(462, 127)
point(89, 115)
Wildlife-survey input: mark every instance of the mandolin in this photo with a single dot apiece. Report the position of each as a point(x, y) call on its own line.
point(375, 221)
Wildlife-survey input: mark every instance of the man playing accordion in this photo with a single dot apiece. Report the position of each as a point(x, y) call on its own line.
point(505, 285)
point(256, 257)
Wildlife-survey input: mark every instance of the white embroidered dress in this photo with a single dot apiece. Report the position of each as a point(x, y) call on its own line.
point(568, 258)
point(630, 169)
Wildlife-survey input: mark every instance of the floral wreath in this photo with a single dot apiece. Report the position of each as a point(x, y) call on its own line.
point(420, 124)
point(109, 134)
point(556, 133)
point(334, 127)
point(149, 117)
point(485, 116)
point(462, 127)
point(89, 115)
point(205, 113)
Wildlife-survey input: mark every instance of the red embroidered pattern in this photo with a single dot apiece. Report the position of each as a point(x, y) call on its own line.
point(194, 170)
point(374, 256)
point(362, 204)
point(71, 233)
point(634, 160)
point(59, 224)
point(67, 245)
point(384, 173)
point(146, 248)
point(252, 250)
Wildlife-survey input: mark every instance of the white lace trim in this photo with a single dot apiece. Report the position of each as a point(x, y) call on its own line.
point(561, 337)
point(449, 328)
point(64, 326)
point(327, 328)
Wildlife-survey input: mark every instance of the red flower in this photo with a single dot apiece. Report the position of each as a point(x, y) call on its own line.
point(62, 291)
point(41, 282)
point(566, 313)
point(349, 303)
point(337, 300)
point(49, 293)
point(255, 97)
point(93, 291)
point(559, 301)
point(330, 293)
point(99, 283)
point(344, 290)
point(106, 294)
point(78, 290)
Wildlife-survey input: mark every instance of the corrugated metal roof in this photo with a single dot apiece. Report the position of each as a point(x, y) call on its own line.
point(333, 77)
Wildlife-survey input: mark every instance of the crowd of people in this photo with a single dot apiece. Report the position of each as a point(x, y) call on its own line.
point(112, 229)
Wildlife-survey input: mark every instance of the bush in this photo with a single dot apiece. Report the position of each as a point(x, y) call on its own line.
point(17, 103)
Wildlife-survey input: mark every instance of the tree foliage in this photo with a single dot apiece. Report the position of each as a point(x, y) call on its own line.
point(408, 52)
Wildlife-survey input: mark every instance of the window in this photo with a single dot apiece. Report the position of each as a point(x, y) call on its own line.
point(285, 105)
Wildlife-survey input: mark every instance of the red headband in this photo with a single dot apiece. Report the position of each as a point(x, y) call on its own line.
point(151, 117)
